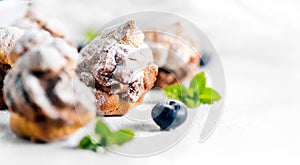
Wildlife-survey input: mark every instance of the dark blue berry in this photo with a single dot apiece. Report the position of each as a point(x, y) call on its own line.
point(169, 114)
point(80, 46)
point(205, 58)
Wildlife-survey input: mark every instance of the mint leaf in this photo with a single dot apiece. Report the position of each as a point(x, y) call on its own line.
point(85, 142)
point(192, 98)
point(191, 103)
point(198, 82)
point(90, 35)
point(195, 95)
point(88, 144)
point(175, 91)
point(102, 129)
point(106, 137)
point(209, 96)
point(121, 136)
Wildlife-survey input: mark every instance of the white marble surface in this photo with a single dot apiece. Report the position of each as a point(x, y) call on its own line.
point(260, 124)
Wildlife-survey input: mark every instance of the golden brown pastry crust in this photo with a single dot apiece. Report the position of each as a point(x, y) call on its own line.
point(41, 132)
point(113, 105)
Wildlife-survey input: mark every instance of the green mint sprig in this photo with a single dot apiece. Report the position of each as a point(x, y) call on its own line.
point(105, 138)
point(197, 93)
point(90, 35)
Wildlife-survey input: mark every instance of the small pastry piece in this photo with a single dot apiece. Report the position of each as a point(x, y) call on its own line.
point(8, 38)
point(46, 99)
point(35, 20)
point(119, 67)
point(177, 60)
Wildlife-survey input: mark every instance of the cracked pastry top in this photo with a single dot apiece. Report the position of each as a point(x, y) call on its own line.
point(119, 67)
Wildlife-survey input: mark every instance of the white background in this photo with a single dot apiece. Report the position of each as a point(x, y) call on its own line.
point(259, 44)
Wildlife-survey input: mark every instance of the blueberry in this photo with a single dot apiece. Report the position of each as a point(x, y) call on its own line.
point(80, 47)
point(169, 114)
point(205, 59)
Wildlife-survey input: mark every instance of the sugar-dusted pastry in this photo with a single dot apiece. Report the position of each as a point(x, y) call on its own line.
point(119, 67)
point(8, 38)
point(36, 20)
point(35, 37)
point(175, 56)
point(46, 99)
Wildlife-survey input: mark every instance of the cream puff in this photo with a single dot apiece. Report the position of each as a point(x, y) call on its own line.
point(119, 67)
point(46, 99)
point(174, 55)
